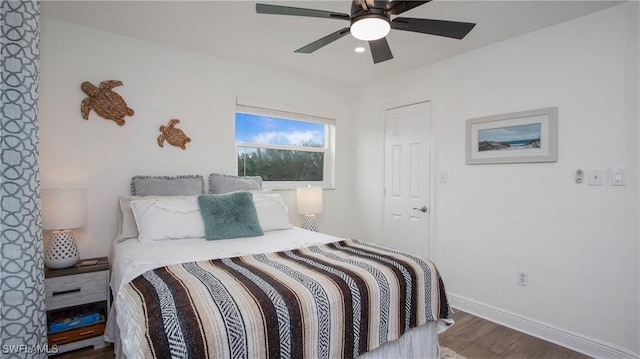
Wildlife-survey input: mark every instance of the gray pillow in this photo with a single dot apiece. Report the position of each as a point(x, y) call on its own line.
point(229, 215)
point(188, 185)
point(226, 183)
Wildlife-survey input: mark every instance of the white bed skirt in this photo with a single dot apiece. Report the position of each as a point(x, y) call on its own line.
point(419, 342)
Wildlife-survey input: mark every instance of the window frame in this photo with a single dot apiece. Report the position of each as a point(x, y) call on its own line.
point(275, 111)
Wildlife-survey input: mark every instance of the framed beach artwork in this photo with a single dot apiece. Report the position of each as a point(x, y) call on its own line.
point(520, 137)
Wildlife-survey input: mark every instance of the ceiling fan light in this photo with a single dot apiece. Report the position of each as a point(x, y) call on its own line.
point(369, 28)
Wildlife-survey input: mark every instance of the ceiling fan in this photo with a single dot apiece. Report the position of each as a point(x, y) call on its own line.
point(371, 21)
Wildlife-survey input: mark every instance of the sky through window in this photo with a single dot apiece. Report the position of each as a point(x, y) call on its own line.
point(261, 129)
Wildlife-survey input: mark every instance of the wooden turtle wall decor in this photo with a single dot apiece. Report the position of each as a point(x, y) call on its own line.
point(173, 135)
point(104, 101)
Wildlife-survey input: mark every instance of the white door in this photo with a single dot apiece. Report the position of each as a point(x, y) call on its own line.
point(407, 168)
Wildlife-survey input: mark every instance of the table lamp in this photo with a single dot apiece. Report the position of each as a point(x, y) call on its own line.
point(309, 203)
point(62, 210)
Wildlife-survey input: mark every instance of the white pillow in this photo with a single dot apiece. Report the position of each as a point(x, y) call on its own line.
point(127, 227)
point(168, 218)
point(272, 212)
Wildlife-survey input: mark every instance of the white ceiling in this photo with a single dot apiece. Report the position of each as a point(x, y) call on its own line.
point(232, 30)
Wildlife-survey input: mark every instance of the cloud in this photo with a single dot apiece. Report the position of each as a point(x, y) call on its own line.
point(287, 138)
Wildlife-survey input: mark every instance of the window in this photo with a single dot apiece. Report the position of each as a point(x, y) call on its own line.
point(286, 149)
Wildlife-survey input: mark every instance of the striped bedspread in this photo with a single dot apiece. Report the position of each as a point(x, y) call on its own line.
point(336, 300)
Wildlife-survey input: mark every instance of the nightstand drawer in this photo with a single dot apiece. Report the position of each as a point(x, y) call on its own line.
point(70, 290)
point(76, 334)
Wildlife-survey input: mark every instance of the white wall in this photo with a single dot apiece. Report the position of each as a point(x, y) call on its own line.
point(161, 83)
point(579, 243)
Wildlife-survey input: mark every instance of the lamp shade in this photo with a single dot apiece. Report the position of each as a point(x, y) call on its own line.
point(309, 200)
point(63, 208)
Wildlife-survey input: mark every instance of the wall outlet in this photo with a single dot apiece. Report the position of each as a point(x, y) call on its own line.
point(523, 278)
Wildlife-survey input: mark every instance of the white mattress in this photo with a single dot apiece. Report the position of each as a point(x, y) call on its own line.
point(132, 258)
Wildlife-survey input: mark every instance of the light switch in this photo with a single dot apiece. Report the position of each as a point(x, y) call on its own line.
point(444, 176)
point(596, 177)
point(618, 177)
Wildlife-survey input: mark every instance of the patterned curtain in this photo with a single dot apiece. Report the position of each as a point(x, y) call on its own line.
point(23, 322)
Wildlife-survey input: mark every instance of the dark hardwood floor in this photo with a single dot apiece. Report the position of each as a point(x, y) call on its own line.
point(471, 337)
point(475, 337)
point(88, 353)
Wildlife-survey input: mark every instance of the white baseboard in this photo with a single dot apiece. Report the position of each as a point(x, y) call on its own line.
point(565, 338)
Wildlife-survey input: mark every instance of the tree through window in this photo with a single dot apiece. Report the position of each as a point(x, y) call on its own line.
point(283, 149)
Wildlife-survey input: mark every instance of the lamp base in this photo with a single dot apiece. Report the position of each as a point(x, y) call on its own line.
point(310, 223)
point(62, 251)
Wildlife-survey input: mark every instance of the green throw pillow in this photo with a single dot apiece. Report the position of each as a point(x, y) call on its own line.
point(229, 215)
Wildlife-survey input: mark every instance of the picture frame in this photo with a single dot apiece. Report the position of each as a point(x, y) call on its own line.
point(518, 137)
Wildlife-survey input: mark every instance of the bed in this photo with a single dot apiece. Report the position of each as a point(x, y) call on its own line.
point(275, 291)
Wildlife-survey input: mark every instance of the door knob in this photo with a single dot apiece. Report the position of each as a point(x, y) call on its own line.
point(423, 209)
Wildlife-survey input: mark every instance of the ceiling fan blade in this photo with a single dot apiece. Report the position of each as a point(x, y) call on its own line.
point(380, 50)
point(398, 7)
point(296, 11)
point(324, 41)
point(453, 29)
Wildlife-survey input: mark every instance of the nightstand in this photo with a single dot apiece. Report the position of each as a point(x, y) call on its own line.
point(77, 301)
